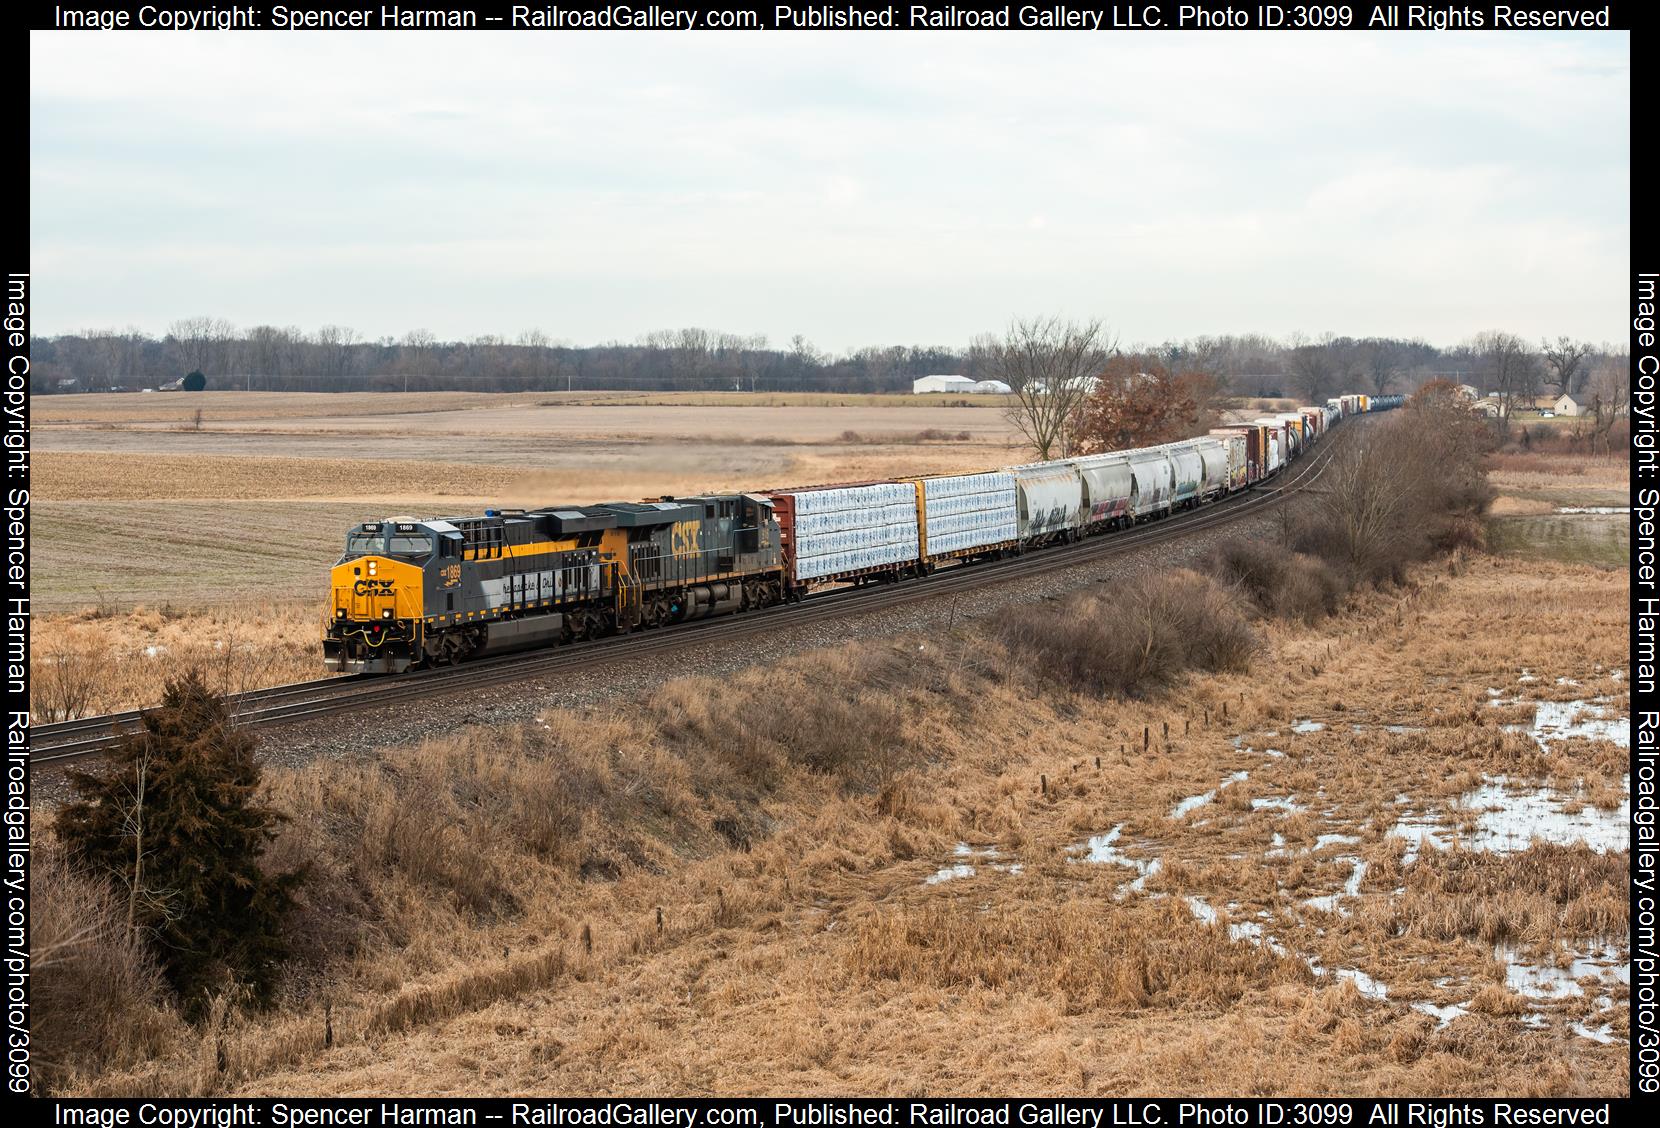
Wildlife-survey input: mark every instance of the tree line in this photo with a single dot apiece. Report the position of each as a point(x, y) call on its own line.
point(338, 358)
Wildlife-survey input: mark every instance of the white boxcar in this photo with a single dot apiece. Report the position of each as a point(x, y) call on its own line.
point(1108, 485)
point(1238, 453)
point(843, 529)
point(1050, 498)
point(968, 511)
point(1154, 482)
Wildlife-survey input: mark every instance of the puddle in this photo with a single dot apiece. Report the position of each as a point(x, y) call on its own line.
point(1364, 983)
point(1544, 981)
point(1560, 720)
point(967, 869)
point(1325, 840)
point(1600, 509)
point(1101, 850)
point(1194, 802)
point(1277, 803)
point(1602, 1034)
point(1443, 1015)
point(1308, 726)
point(1509, 821)
point(1351, 888)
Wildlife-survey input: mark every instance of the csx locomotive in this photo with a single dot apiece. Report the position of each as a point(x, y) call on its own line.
point(410, 593)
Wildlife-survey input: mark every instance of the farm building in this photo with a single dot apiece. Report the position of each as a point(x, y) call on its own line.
point(941, 384)
point(959, 384)
point(1567, 405)
point(1470, 391)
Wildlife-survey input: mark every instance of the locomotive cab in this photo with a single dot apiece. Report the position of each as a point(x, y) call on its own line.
point(378, 593)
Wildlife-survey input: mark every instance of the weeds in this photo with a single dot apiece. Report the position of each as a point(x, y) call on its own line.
point(1137, 641)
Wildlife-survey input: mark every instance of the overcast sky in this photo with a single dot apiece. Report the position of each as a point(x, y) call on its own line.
point(854, 188)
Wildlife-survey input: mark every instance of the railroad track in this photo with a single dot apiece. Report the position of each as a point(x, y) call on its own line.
point(69, 740)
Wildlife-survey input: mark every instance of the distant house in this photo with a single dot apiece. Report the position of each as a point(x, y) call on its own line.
point(1567, 405)
point(991, 388)
point(1470, 391)
point(67, 384)
point(941, 384)
point(1488, 407)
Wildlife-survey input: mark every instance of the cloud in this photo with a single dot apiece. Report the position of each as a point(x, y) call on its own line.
point(853, 188)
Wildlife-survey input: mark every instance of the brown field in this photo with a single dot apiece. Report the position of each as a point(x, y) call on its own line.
point(179, 407)
point(484, 917)
point(1539, 483)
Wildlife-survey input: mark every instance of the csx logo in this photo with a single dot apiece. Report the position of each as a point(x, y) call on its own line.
point(372, 587)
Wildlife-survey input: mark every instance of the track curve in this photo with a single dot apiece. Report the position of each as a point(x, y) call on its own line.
point(89, 736)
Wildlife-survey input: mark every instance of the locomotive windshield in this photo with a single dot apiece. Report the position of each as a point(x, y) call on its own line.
point(410, 548)
point(362, 544)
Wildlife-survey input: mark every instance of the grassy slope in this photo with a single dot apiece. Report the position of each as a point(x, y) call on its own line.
point(812, 956)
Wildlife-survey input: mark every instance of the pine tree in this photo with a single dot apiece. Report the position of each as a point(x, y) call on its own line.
point(177, 824)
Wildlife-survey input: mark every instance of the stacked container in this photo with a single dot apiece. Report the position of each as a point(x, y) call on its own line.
point(968, 511)
point(839, 530)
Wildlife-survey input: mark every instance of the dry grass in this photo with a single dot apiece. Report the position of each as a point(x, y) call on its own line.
point(98, 1000)
point(1137, 640)
point(508, 938)
point(91, 476)
point(92, 410)
point(101, 659)
point(1539, 482)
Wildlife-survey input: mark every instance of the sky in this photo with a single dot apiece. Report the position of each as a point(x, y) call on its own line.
point(853, 188)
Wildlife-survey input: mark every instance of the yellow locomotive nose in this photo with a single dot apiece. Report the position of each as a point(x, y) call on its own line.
point(375, 614)
point(374, 588)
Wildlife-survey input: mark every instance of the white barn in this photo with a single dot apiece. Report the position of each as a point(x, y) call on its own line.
point(941, 384)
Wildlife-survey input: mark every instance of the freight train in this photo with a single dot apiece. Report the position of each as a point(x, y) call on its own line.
point(411, 592)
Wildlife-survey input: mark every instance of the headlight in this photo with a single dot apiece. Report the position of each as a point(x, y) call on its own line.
point(339, 612)
point(386, 614)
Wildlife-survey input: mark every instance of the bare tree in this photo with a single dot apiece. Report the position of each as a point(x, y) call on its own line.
point(1313, 371)
point(1052, 366)
point(338, 344)
point(1609, 386)
point(1563, 361)
point(538, 360)
point(1383, 363)
point(201, 343)
point(1509, 369)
